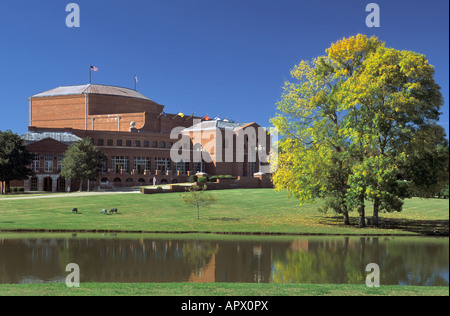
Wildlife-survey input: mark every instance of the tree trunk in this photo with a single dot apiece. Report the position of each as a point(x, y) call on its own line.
point(81, 185)
point(7, 187)
point(346, 218)
point(376, 208)
point(362, 211)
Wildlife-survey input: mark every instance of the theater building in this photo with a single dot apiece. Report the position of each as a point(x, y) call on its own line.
point(135, 134)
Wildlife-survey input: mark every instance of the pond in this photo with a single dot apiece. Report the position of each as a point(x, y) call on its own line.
point(223, 258)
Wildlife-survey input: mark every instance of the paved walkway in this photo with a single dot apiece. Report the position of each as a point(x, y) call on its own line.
point(74, 194)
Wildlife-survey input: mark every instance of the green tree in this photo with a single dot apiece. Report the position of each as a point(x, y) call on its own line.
point(197, 196)
point(347, 122)
point(82, 161)
point(393, 99)
point(426, 167)
point(14, 159)
point(315, 159)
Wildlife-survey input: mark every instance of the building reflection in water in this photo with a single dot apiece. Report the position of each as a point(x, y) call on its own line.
point(409, 261)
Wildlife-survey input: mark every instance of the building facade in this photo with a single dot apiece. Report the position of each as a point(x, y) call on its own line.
point(135, 134)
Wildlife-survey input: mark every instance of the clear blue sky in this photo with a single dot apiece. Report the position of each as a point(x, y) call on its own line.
point(216, 57)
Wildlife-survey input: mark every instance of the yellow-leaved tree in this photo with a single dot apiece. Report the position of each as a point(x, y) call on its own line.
point(346, 122)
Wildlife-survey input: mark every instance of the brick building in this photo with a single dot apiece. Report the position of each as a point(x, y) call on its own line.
point(135, 134)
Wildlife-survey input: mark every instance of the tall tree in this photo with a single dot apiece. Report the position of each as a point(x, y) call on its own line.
point(396, 98)
point(315, 159)
point(347, 123)
point(82, 161)
point(14, 159)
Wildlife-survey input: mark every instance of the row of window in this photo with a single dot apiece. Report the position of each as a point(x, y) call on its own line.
point(49, 162)
point(142, 164)
point(129, 143)
point(118, 164)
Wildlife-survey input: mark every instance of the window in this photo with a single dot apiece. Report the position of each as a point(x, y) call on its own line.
point(162, 164)
point(120, 163)
point(110, 142)
point(162, 144)
point(128, 143)
point(34, 184)
point(48, 163)
point(100, 142)
point(252, 168)
point(199, 167)
point(59, 163)
point(154, 144)
point(35, 164)
point(119, 142)
point(137, 143)
point(146, 143)
point(170, 145)
point(61, 184)
point(141, 164)
point(105, 166)
point(181, 166)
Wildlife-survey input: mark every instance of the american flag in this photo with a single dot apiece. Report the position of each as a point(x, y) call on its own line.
point(94, 68)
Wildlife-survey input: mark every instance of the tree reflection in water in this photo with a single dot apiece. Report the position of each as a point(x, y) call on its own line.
point(207, 258)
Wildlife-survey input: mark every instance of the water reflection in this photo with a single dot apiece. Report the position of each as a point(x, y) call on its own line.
point(406, 261)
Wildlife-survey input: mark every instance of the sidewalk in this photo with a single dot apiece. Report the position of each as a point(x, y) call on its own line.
point(73, 194)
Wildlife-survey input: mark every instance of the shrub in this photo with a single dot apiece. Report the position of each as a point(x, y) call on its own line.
point(202, 179)
point(192, 178)
point(214, 178)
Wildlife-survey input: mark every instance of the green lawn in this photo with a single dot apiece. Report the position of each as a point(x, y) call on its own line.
point(216, 289)
point(237, 211)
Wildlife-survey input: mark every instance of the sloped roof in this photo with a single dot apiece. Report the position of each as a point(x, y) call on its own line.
point(63, 137)
point(214, 124)
point(92, 89)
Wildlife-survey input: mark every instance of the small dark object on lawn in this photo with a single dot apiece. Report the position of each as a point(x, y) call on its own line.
point(104, 211)
point(113, 210)
point(75, 211)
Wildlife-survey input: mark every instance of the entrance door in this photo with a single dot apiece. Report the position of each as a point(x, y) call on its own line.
point(48, 184)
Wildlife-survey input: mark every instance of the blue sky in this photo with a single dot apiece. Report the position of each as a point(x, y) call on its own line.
point(218, 57)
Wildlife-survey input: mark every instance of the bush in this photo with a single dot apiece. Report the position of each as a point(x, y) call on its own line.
point(444, 193)
point(159, 189)
point(214, 178)
point(192, 178)
point(202, 179)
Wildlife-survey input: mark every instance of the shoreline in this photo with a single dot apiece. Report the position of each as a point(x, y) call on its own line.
point(106, 231)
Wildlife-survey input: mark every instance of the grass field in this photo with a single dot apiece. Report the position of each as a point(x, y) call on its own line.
point(216, 289)
point(237, 211)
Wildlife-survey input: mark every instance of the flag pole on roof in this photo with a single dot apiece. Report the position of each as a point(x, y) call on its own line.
point(136, 80)
point(91, 69)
